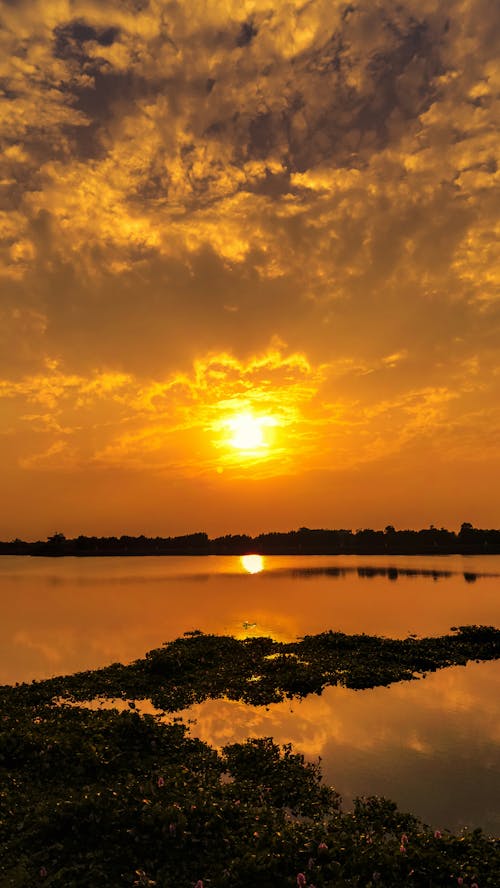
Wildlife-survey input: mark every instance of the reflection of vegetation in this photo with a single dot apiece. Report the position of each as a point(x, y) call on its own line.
point(98, 798)
point(430, 541)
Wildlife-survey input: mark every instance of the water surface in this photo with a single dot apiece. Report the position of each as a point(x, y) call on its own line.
point(66, 614)
point(432, 745)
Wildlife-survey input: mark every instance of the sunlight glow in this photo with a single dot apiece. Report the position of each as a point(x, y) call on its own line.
point(252, 563)
point(249, 431)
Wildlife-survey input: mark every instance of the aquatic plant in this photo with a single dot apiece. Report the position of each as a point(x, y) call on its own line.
point(103, 798)
point(261, 670)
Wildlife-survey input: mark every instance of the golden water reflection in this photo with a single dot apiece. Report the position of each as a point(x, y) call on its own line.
point(433, 745)
point(252, 563)
point(67, 614)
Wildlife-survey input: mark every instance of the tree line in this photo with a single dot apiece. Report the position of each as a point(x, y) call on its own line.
point(305, 541)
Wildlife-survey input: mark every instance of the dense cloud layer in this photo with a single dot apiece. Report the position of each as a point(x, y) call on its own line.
point(184, 183)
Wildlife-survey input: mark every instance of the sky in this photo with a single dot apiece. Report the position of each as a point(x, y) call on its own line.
point(249, 265)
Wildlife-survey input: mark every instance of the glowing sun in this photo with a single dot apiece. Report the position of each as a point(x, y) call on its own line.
point(248, 432)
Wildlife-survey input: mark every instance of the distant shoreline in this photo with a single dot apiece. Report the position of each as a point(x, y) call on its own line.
point(305, 541)
point(293, 554)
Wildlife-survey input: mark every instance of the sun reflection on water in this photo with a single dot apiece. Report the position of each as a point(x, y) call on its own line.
point(252, 563)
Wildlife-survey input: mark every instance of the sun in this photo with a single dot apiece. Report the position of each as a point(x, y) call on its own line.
point(250, 432)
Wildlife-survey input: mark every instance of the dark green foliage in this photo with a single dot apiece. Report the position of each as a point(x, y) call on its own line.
point(261, 670)
point(100, 798)
point(97, 798)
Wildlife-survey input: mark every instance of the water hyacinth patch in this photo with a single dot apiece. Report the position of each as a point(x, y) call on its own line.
point(106, 798)
point(261, 670)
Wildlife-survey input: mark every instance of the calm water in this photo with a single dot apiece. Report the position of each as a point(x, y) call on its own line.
point(431, 745)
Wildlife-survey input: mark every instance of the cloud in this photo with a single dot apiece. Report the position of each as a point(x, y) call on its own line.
point(182, 425)
point(179, 181)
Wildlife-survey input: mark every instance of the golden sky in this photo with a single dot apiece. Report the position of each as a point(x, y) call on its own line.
point(249, 265)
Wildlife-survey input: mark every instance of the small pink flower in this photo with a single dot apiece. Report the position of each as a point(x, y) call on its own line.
point(402, 849)
point(322, 847)
point(43, 872)
point(404, 839)
point(460, 881)
point(301, 880)
point(160, 781)
point(310, 863)
point(199, 884)
point(474, 885)
point(438, 834)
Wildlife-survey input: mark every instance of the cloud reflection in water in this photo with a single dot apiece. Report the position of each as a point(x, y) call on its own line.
point(433, 746)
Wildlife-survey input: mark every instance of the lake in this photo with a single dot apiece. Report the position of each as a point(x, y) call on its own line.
point(432, 745)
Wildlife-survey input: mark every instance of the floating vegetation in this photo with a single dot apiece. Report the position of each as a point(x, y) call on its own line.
point(102, 798)
point(261, 670)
